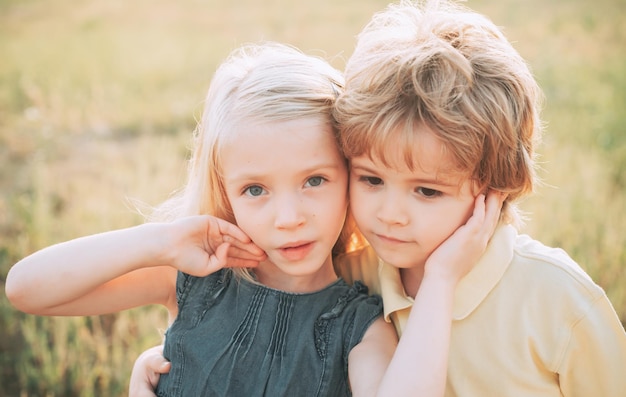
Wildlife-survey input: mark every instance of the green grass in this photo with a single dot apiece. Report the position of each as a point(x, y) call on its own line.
point(98, 101)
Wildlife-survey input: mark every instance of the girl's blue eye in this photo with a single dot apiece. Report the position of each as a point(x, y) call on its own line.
point(315, 181)
point(253, 191)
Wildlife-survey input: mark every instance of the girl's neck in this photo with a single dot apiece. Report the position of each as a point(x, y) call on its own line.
point(271, 276)
point(411, 279)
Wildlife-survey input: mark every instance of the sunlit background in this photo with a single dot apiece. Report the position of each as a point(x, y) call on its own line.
point(98, 100)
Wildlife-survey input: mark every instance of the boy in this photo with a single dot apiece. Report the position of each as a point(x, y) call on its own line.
point(438, 108)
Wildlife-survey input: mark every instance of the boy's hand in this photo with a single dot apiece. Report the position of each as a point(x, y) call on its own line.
point(200, 245)
point(456, 256)
point(146, 372)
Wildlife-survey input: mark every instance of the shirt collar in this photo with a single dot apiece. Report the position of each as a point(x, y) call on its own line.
point(485, 275)
point(472, 288)
point(392, 290)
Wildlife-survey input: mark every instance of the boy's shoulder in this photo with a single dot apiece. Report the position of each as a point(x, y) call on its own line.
point(552, 266)
point(531, 251)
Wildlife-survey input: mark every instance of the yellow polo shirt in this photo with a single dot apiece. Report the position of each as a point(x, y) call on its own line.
point(527, 321)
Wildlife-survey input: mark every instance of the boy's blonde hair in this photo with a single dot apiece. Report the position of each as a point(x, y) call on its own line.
point(453, 70)
point(267, 82)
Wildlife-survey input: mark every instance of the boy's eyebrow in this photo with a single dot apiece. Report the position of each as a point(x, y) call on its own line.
point(435, 181)
point(417, 180)
point(361, 167)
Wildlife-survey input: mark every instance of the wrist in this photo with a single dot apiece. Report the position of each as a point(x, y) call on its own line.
point(159, 240)
point(449, 272)
point(443, 280)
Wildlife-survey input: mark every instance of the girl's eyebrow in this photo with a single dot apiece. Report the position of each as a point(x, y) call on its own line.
point(313, 169)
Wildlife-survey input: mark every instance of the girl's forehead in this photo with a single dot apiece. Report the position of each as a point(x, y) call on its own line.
point(278, 129)
point(280, 144)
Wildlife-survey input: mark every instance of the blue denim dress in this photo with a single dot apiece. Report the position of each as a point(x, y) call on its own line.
point(236, 338)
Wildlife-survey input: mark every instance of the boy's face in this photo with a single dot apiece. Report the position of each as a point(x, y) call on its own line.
point(406, 214)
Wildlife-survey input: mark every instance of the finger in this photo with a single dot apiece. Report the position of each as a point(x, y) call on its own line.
point(220, 231)
point(239, 258)
point(232, 230)
point(494, 208)
point(476, 221)
point(242, 253)
point(218, 259)
point(159, 364)
point(227, 228)
point(244, 250)
point(484, 219)
point(146, 372)
point(479, 206)
point(222, 253)
point(155, 361)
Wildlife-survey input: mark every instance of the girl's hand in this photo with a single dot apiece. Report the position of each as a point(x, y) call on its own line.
point(456, 256)
point(203, 244)
point(146, 372)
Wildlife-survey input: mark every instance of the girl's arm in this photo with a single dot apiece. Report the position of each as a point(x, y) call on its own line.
point(418, 366)
point(125, 268)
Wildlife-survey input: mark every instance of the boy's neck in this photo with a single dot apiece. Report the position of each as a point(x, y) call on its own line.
point(411, 279)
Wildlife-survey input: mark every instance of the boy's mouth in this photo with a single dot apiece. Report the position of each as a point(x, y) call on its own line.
point(390, 240)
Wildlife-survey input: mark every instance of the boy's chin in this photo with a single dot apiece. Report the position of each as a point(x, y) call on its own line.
point(398, 259)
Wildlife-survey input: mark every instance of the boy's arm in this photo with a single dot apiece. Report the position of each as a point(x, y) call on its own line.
point(146, 372)
point(369, 360)
point(125, 268)
point(595, 358)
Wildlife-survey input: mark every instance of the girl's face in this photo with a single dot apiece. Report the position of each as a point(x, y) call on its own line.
point(287, 185)
point(406, 214)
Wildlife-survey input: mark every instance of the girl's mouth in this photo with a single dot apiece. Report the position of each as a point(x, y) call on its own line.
point(296, 251)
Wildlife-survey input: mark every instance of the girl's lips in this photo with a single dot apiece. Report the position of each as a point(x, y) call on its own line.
point(296, 252)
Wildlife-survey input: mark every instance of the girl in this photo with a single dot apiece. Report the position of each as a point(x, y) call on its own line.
point(258, 308)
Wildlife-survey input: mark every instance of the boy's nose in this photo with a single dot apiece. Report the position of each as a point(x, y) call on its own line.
point(289, 213)
point(391, 210)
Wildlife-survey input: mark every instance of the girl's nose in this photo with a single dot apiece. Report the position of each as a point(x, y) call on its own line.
point(289, 213)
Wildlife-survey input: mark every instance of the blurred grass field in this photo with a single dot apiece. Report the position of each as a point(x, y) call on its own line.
point(98, 100)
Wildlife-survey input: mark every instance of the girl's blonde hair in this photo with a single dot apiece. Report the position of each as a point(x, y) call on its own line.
point(266, 82)
point(453, 70)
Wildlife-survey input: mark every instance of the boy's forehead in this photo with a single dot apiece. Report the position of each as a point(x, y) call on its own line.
point(421, 150)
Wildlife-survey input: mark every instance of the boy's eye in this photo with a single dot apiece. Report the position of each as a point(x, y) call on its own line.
point(254, 191)
point(426, 192)
point(371, 180)
point(314, 181)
